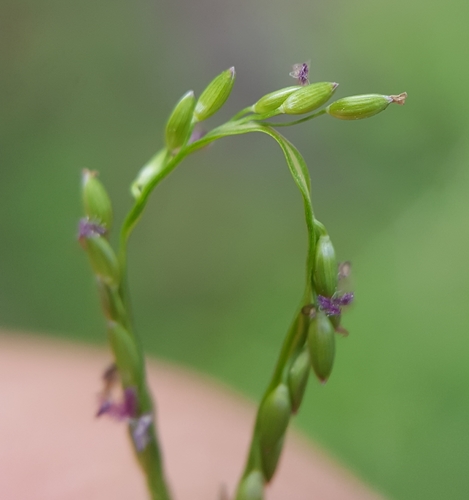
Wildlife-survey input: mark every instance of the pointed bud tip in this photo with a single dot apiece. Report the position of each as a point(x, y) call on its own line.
point(214, 95)
point(87, 174)
point(90, 229)
point(399, 99)
point(334, 85)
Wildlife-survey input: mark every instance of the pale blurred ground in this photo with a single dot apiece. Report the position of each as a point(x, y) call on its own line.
point(53, 448)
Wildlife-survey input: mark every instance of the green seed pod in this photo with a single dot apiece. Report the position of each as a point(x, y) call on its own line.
point(273, 419)
point(298, 378)
point(272, 101)
point(96, 201)
point(128, 361)
point(148, 173)
point(103, 259)
point(270, 459)
point(321, 344)
point(325, 277)
point(308, 98)
point(215, 95)
point(113, 307)
point(251, 487)
point(179, 123)
point(274, 416)
point(362, 106)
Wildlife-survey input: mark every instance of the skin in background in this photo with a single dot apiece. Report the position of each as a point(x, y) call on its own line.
point(54, 448)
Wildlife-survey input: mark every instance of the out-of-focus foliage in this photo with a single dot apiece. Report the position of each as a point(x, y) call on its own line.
point(90, 84)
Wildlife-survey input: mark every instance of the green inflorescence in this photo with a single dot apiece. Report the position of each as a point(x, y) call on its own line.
point(309, 342)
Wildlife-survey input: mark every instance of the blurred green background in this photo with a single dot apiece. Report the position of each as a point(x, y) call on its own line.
point(216, 265)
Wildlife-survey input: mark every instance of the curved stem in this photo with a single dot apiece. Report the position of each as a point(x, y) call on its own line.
point(296, 122)
point(241, 113)
point(295, 337)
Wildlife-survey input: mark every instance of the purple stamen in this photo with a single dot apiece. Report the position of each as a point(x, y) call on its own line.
point(328, 305)
point(105, 407)
point(301, 72)
point(127, 409)
point(345, 299)
point(332, 305)
point(130, 402)
point(140, 429)
point(197, 134)
point(88, 229)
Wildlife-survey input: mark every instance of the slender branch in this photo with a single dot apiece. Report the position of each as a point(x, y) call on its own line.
point(296, 122)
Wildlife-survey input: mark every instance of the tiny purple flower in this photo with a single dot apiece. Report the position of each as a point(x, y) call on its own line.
point(333, 306)
point(197, 134)
point(88, 229)
point(140, 430)
point(301, 72)
point(329, 305)
point(105, 407)
point(127, 409)
point(345, 299)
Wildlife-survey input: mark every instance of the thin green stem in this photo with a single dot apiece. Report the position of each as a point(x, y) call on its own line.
point(151, 463)
point(241, 113)
point(257, 117)
point(296, 122)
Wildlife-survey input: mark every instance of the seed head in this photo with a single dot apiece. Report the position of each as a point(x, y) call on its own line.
point(102, 257)
point(321, 344)
point(215, 95)
point(179, 123)
point(363, 106)
point(325, 277)
point(273, 418)
point(270, 102)
point(95, 199)
point(297, 379)
point(308, 98)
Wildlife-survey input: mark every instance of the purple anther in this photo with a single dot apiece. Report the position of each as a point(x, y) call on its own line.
point(329, 305)
point(332, 306)
point(88, 229)
point(345, 299)
point(301, 72)
point(123, 410)
point(140, 430)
